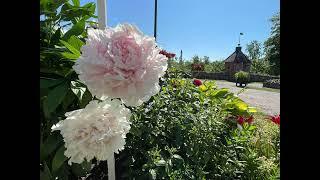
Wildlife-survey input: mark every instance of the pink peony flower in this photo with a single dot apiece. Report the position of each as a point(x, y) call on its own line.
point(121, 62)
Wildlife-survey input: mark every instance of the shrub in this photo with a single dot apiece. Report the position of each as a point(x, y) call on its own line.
point(266, 141)
point(189, 132)
point(242, 77)
point(216, 66)
point(272, 83)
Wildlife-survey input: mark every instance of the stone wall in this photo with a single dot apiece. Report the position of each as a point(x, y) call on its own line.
point(226, 76)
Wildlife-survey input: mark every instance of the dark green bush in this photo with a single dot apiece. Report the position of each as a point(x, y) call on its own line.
point(242, 77)
point(272, 83)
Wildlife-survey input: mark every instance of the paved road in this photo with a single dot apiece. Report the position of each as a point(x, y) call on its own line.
point(266, 101)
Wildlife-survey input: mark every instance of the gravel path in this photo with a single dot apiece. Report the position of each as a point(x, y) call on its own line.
point(266, 101)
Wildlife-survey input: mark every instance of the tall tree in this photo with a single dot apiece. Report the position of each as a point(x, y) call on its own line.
point(195, 59)
point(206, 60)
point(272, 45)
point(254, 50)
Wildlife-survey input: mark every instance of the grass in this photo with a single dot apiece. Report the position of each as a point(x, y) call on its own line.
point(263, 89)
point(254, 86)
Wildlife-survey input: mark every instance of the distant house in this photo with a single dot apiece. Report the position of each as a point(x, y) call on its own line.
point(237, 61)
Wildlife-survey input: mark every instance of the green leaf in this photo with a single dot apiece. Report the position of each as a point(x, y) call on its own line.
point(70, 55)
point(220, 93)
point(76, 3)
point(47, 83)
point(76, 29)
point(71, 48)
point(58, 159)
point(241, 105)
point(77, 89)
point(55, 37)
point(45, 174)
point(153, 173)
point(203, 88)
point(50, 144)
point(252, 128)
point(75, 42)
point(252, 109)
point(93, 9)
point(176, 156)
point(86, 98)
point(81, 169)
point(70, 97)
point(161, 163)
point(45, 108)
point(56, 96)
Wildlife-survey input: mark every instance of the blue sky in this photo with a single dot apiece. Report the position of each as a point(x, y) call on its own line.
point(202, 27)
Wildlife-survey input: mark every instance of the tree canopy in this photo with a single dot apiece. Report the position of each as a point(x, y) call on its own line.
point(272, 45)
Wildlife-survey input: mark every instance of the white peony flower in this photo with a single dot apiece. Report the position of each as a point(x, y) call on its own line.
point(98, 130)
point(121, 62)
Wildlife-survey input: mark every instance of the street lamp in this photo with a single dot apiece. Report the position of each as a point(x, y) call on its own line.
point(155, 19)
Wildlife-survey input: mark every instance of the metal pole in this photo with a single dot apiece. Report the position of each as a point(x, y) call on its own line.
point(155, 18)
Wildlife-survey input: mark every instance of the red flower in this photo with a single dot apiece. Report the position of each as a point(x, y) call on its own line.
point(275, 119)
point(240, 120)
point(197, 82)
point(167, 54)
point(250, 119)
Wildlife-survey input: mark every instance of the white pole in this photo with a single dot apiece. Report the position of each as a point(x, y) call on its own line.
point(102, 20)
point(111, 168)
point(102, 13)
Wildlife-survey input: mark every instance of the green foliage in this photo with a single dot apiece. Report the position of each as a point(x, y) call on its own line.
point(242, 77)
point(60, 90)
point(260, 67)
point(254, 50)
point(189, 132)
point(186, 66)
point(215, 66)
point(272, 45)
point(195, 59)
point(206, 60)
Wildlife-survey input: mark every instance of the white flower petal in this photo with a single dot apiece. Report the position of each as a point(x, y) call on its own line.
point(98, 130)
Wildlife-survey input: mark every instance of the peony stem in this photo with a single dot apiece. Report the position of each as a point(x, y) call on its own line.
point(111, 169)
